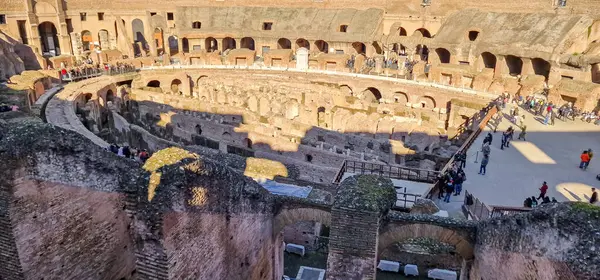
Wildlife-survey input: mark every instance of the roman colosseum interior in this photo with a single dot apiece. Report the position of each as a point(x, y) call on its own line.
point(236, 100)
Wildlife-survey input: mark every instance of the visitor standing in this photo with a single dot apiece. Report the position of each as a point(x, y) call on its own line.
point(594, 197)
point(534, 202)
point(523, 133)
point(488, 139)
point(591, 155)
point(458, 181)
point(486, 150)
point(449, 191)
point(543, 190)
point(484, 163)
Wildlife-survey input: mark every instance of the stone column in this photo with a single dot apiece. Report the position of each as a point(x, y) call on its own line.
point(378, 63)
point(355, 226)
point(77, 44)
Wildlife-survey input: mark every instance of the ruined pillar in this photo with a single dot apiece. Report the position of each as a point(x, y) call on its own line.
point(77, 44)
point(355, 218)
point(378, 63)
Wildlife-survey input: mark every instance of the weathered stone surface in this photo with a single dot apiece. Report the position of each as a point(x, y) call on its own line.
point(424, 206)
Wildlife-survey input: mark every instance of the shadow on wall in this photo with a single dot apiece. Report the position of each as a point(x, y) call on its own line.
point(297, 151)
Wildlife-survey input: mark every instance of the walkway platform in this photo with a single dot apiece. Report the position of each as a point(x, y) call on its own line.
point(550, 153)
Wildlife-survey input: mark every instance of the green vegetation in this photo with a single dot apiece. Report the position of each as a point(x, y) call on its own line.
point(425, 118)
point(587, 208)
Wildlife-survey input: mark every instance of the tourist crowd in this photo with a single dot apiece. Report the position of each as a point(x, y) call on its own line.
point(140, 155)
point(90, 70)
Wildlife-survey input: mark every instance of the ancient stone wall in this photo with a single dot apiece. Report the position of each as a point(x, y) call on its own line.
point(555, 242)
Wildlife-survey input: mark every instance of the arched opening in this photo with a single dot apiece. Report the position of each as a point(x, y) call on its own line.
point(103, 38)
point(305, 234)
point(308, 158)
point(226, 135)
point(229, 44)
point(402, 32)
point(347, 89)
point(443, 54)
point(302, 43)
point(196, 25)
point(515, 65)
point(400, 97)
point(427, 102)
point(153, 83)
point(284, 43)
point(158, 39)
point(321, 117)
point(489, 60)
point(175, 84)
point(49, 38)
point(473, 35)
point(87, 40)
point(137, 27)
point(198, 129)
point(211, 44)
point(359, 47)
point(248, 143)
point(110, 96)
point(371, 95)
point(428, 246)
point(173, 45)
point(423, 52)
point(247, 43)
point(185, 45)
point(322, 46)
point(422, 32)
point(378, 48)
point(541, 67)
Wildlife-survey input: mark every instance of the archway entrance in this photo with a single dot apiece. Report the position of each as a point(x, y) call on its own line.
point(158, 39)
point(359, 47)
point(173, 45)
point(229, 43)
point(302, 43)
point(541, 67)
point(423, 52)
point(247, 43)
point(322, 46)
point(422, 32)
point(137, 27)
point(300, 229)
point(87, 40)
point(443, 55)
point(489, 60)
point(211, 44)
point(284, 43)
point(515, 65)
point(49, 38)
point(371, 95)
point(185, 45)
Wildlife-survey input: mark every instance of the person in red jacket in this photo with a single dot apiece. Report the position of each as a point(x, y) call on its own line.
point(543, 190)
point(585, 160)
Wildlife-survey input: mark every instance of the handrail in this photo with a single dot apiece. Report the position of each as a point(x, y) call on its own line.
point(478, 210)
point(390, 171)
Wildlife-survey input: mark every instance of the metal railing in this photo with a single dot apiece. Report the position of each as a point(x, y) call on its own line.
point(90, 72)
point(477, 210)
point(389, 171)
point(405, 198)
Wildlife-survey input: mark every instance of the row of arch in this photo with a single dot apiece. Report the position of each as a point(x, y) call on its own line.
point(228, 43)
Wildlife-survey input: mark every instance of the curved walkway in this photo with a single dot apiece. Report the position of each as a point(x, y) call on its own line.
point(327, 72)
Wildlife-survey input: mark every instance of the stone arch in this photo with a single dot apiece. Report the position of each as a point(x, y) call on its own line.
point(443, 55)
point(302, 43)
point(175, 86)
point(229, 43)
point(226, 136)
point(110, 96)
point(399, 49)
point(185, 45)
point(359, 47)
point(247, 143)
point(153, 83)
point(541, 67)
point(422, 32)
point(87, 40)
point(288, 217)
point(211, 44)
point(514, 64)
point(173, 44)
point(401, 97)
point(196, 25)
point(49, 37)
point(158, 38)
point(402, 32)
point(284, 43)
point(427, 102)
point(348, 89)
point(44, 8)
point(322, 46)
point(137, 27)
point(397, 233)
point(377, 47)
point(103, 38)
point(247, 43)
point(372, 95)
point(488, 60)
point(423, 52)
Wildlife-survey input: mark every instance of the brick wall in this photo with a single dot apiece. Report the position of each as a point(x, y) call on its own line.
point(352, 244)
